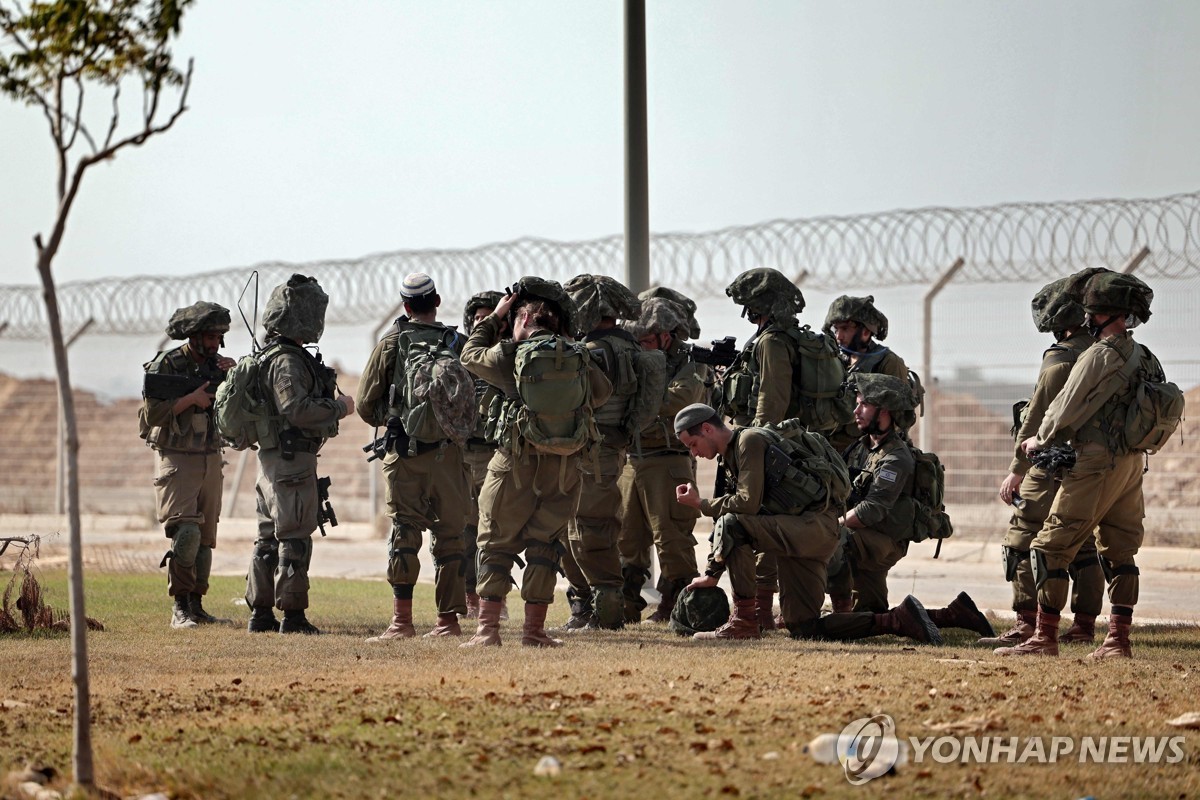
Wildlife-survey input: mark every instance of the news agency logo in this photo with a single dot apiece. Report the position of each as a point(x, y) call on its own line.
point(868, 748)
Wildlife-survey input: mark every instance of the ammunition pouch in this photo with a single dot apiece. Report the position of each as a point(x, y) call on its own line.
point(1042, 573)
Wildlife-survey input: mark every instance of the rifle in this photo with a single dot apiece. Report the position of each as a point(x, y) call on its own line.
point(325, 512)
point(1054, 457)
point(157, 386)
point(721, 354)
point(721, 482)
point(394, 439)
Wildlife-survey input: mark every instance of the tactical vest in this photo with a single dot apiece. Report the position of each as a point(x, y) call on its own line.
point(614, 351)
point(864, 463)
point(324, 387)
point(659, 435)
point(802, 472)
point(192, 430)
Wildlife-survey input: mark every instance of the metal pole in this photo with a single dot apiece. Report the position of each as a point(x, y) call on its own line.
point(60, 467)
point(372, 472)
point(637, 192)
point(927, 422)
point(1135, 261)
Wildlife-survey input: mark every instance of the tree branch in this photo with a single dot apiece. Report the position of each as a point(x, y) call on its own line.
point(116, 117)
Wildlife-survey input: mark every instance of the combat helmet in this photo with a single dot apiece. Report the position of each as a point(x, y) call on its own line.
point(767, 291)
point(488, 299)
point(1058, 305)
point(888, 391)
point(296, 309)
point(1114, 293)
point(548, 291)
point(683, 301)
point(201, 317)
point(599, 296)
point(659, 315)
point(857, 309)
point(704, 609)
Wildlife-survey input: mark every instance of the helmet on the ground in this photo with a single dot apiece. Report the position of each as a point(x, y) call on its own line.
point(698, 610)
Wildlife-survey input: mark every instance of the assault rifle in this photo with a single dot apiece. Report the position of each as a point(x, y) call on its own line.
point(1054, 457)
point(325, 512)
point(157, 386)
point(721, 354)
point(394, 439)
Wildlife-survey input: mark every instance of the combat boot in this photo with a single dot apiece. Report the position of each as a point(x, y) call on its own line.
point(294, 621)
point(764, 610)
point(196, 603)
point(181, 613)
point(401, 626)
point(581, 611)
point(472, 606)
point(534, 632)
point(962, 613)
point(1022, 630)
point(1083, 629)
point(447, 625)
point(262, 620)
point(1116, 643)
point(908, 619)
point(841, 603)
point(669, 593)
point(1044, 641)
point(488, 632)
point(743, 622)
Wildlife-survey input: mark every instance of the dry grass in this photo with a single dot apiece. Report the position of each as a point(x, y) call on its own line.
point(216, 713)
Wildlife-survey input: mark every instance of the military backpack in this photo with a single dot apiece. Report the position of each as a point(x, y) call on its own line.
point(432, 394)
point(554, 412)
point(802, 470)
point(244, 416)
point(930, 520)
point(1157, 406)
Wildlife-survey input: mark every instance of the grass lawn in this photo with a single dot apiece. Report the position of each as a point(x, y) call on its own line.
point(217, 713)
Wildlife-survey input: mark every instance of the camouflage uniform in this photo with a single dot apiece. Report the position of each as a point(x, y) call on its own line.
point(187, 478)
point(299, 391)
point(424, 490)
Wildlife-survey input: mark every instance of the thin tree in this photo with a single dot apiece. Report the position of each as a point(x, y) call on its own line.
point(53, 57)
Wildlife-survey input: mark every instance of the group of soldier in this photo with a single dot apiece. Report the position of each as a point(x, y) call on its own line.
point(815, 492)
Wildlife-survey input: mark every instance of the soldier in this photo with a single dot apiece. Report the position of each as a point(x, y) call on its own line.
point(415, 386)
point(783, 372)
point(534, 479)
point(638, 378)
point(794, 522)
point(480, 448)
point(1057, 309)
point(856, 324)
point(1105, 486)
point(656, 466)
point(299, 391)
point(179, 426)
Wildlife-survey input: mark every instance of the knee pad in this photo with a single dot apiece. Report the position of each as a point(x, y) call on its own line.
point(440, 562)
point(1111, 571)
point(1012, 559)
point(185, 544)
point(727, 534)
point(544, 554)
point(1086, 562)
point(609, 605)
point(1041, 572)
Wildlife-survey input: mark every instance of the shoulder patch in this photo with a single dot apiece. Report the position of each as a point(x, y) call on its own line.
point(886, 475)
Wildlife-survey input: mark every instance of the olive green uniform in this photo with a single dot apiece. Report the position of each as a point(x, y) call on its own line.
point(801, 542)
point(187, 475)
point(526, 499)
point(649, 512)
point(882, 502)
point(1103, 488)
point(300, 392)
point(1039, 488)
point(424, 490)
point(879, 361)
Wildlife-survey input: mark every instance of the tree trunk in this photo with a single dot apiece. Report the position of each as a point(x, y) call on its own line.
point(83, 767)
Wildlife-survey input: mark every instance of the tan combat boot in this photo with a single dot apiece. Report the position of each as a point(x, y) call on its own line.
point(401, 626)
point(534, 632)
point(1022, 630)
point(472, 606)
point(1044, 641)
point(1116, 644)
point(447, 625)
point(1083, 629)
point(962, 613)
point(488, 632)
point(765, 609)
point(743, 622)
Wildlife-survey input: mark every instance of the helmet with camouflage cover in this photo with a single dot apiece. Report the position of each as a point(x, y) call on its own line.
point(1058, 306)
point(599, 296)
point(659, 315)
point(201, 317)
point(551, 292)
point(296, 309)
point(767, 291)
point(684, 302)
point(488, 299)
point(696, 610)
point(857, 309)
point(888, 391)
point(1114, 293)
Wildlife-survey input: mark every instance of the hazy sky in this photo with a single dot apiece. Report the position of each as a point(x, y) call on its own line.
point(335, 129)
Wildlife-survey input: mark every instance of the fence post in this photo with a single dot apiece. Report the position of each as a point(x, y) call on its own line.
point(60, 454)
point(929, 419)
point(1135, 261)
point(637, 192)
